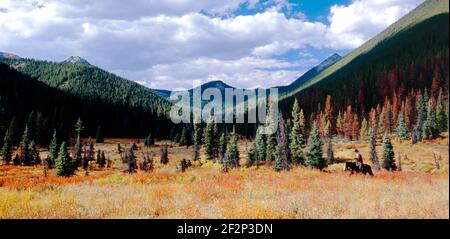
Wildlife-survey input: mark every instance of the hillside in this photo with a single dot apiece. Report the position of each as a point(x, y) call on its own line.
point(53, 108)
point(76, 76)
point(411, 52)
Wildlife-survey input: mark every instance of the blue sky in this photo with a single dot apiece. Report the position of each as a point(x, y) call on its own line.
point(168, 44)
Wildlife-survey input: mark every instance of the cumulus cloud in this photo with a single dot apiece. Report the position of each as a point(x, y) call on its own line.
point(166, 44)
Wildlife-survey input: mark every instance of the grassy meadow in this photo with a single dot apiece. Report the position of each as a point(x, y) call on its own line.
point(420, 190)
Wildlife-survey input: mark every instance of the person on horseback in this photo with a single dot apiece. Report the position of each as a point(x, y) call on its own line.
point(358, 160)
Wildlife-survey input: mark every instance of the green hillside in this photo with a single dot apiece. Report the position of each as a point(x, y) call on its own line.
point(92, 83)
point(414, 47)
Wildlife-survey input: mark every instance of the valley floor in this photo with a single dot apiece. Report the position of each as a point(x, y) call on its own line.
point(419, 191)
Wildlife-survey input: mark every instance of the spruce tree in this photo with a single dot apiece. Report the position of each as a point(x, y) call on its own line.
point(24, 148)
point(6, 151)
point(98, 137)
point(297, 141)
point(53, 150)
point(222, 147)
point(441, 118)
point(373, 150)
point(31, 123)
point(209, 141)
point(102, 160)
point(64, 164)
point(260, 147)
point(34, 154)
point(251, 155)
point(421, 106)
point(388, 154)
point(401, 130)
point(364, 132)
point(429, 127)
point(12, 131)
point(232, 153)
point(282, 152)
point(78, 145)
point(314, 157)
point(183, 137)
point(149, 141)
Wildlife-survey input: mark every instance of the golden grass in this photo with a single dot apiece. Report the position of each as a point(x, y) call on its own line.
point(203, 192)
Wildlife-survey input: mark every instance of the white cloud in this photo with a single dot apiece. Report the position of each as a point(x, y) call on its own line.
point(168, 43)
point(354, 24)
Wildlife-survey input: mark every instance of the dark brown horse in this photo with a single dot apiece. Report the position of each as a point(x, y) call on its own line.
point(353, 168)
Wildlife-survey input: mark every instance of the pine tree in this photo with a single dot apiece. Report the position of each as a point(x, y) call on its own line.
point(271, 139)
point(6, 151)
point(131, 160)
point(314, 157)
point(78, 145)
point(31, 123)
point(209, 141)
point(401, 130)
point(222, 148)
point(102, 160)
point(197, 141)
point(364, 132)
point(388, 154)
point(24, 148)
point(99, 138)
point(260, 147)
point(373, 150)
point(251, 156)
point(53, 151)
point(64, 164)
point(282, 153)
point(183, 137)
point(421, 105)
point(441, 118)
point(232, 153)
point(34, 154)
point(297, 141)
point(149, 141)
point(429, 127)
point(12, 131)
point(99, 157)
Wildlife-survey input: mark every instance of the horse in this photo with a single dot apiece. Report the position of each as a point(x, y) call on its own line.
point(353, 168)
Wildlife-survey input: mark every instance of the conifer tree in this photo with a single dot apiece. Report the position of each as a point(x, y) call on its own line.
point(64, 164)
point(364, 132)
point(31, 123)
point(99, 157)
point(314, 157)
point(183, 137)
point(209, 140)
point(99, 138)
point(34, 154)
point(149, 141)
point(232, 153)
point(373, 150)
point(12, 131)
point(441, 118)
point(102, 160)
point(421, 116)
point(388, 154)
point(282, 153)
point(197, 141)
point(164, 159)
point(222, 147)
point(24, 148)
point(78, 145)
point(251, 155)
point(6, 150)
point(297, 141)
point(260, 147)
point(401, 130)
point(429, 127)
point(53, 150)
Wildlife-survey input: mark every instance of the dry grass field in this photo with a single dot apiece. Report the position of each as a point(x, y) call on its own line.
point(419, 191)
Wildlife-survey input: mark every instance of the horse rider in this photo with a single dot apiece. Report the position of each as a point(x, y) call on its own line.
point(358, 160)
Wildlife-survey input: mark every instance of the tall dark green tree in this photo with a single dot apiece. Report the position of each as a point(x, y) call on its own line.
point(260, 147)
point(297, 141)
point(53, 150)
point(373, 150)
point(222, 147)
point(149, 141)
point(232, 152)
point(282, 153)
point(388, 154)
point(429, 127)
point(209, 140)
point(34, 154)
point(78, 145)
point(98, 136)
point(6, 150)
point(314, 156)
point(13, 131)
point(24, 148)
point(64, 164)
point(441, 117)
point(401, 130)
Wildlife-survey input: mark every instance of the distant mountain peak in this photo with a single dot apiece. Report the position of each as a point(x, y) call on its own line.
point(8, 55)
point(77, 60)
point(328, 62)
